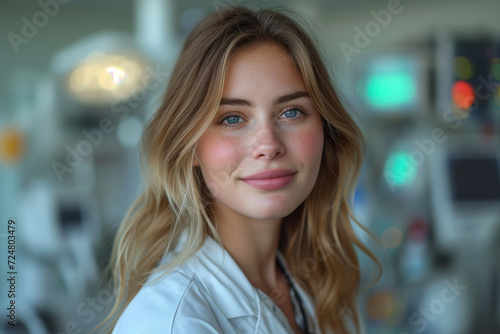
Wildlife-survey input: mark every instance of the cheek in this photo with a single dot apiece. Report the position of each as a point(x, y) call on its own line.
point(310, 144)
point(218, 158)
point(217, 152)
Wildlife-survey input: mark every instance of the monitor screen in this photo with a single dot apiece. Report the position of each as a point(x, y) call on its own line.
point(389, 83)
point(474, 179)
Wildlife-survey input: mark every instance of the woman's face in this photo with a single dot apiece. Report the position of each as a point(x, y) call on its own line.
point(266, 121)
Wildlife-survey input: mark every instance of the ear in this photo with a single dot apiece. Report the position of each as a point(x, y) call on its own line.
point(195, 161)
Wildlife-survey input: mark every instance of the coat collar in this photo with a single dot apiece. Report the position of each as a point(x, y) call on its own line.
point(227, 284)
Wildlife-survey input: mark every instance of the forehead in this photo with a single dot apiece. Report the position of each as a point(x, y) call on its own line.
point(262, 67)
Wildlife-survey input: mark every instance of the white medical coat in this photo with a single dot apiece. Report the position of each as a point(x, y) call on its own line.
point(208, 294)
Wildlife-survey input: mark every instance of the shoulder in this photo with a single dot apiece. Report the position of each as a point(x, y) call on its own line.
point(168, 305)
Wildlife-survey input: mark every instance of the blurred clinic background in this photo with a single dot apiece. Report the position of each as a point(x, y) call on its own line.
point(81, 77)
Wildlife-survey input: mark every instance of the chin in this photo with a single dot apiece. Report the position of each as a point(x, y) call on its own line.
point(272, 213)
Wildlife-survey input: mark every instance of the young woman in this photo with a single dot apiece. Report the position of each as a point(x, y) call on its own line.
point(250, 163)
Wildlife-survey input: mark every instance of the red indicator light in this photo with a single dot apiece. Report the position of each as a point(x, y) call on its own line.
point(462, 94)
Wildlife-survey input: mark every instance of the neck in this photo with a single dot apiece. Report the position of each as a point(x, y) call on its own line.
point(253, 244)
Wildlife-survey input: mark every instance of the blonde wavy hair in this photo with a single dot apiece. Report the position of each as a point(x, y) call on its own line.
point(317, 239)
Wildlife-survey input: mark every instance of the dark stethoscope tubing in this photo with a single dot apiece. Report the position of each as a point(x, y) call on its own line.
point(297, 295)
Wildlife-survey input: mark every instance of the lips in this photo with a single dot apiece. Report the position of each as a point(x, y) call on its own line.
point(270, 174)
point(271, 179)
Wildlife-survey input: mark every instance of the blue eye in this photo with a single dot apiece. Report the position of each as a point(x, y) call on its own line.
point(293, 113)
point(234, 118)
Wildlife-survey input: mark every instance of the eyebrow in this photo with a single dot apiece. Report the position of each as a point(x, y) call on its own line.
point(281, 99)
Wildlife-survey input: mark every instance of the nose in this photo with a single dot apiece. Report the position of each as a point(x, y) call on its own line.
point(267, 143)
